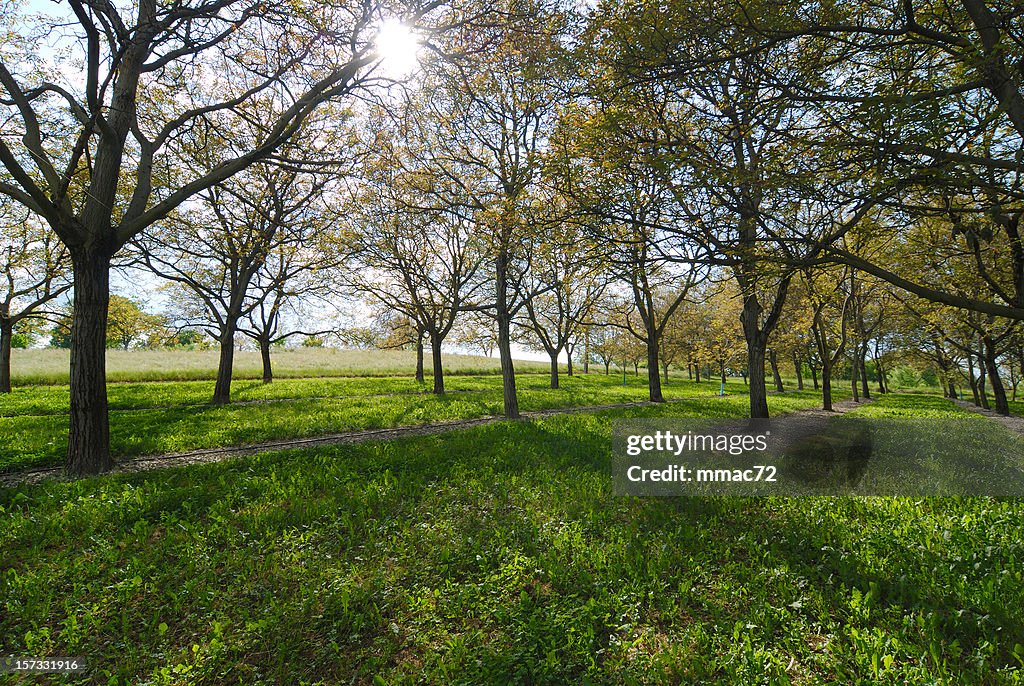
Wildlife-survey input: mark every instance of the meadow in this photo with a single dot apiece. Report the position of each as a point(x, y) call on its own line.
point(490, 555)
point(50, 365)
point(149, 418)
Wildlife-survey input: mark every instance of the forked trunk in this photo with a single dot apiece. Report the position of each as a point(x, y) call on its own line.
point(982, 373)
point(972, 380)
point(89, 430)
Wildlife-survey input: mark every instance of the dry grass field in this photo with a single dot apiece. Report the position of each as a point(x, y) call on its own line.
point(50, 366)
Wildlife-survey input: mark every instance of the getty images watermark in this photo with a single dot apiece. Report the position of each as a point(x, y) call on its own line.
point(817, 456)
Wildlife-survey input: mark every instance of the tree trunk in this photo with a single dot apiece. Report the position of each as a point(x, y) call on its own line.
point(995, 381)
point(826, 386)
point(972, 380)
point(665, 369)
point(721, 366)
point(855, 376)
point(419, 360)
point(653, 358)
point(508, 372)
point(864, 389)
point(268, 370)
point(435, 359)
point(880, 371)
point(814, 375)
point(225, 368)
point(554, 369)
point(982, 373)
point(756, 345)
point(952, 389)
point(608, 368)
point(798, 367)
point(89, 430)
point(755, 369)
point(6, 335)
point(689, 371)
point(568, 359)
point(773, 360)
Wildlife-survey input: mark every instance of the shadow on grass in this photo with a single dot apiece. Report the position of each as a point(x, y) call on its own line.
point(499, 555)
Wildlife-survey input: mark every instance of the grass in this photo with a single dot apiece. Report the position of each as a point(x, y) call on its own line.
point(912, 406)
point(1017, 408)
point(50, 366)
point(163, 417)
point(498, 555)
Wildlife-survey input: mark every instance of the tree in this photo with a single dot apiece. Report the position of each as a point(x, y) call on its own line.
point(292, 275)
point(491, 115)
point(626, 209)
point(477, 331)
point(563, 289)
point(420, 261)
point(704, 102)
point(604, 345)
point(931, 92)
point(401, 332)
point(128, 323)
point(721, 340)
point(33, 265)
point(214, 250)
point(830, 310)
point(95, 156)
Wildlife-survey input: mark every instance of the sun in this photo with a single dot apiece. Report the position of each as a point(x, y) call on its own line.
point(398, 48)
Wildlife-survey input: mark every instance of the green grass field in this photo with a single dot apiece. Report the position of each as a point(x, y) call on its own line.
point(498, 555)
point(490, 555)
point(164, 417)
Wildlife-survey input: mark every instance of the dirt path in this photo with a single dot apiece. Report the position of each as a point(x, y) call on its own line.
point(1011, 423)
point(192, 457)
